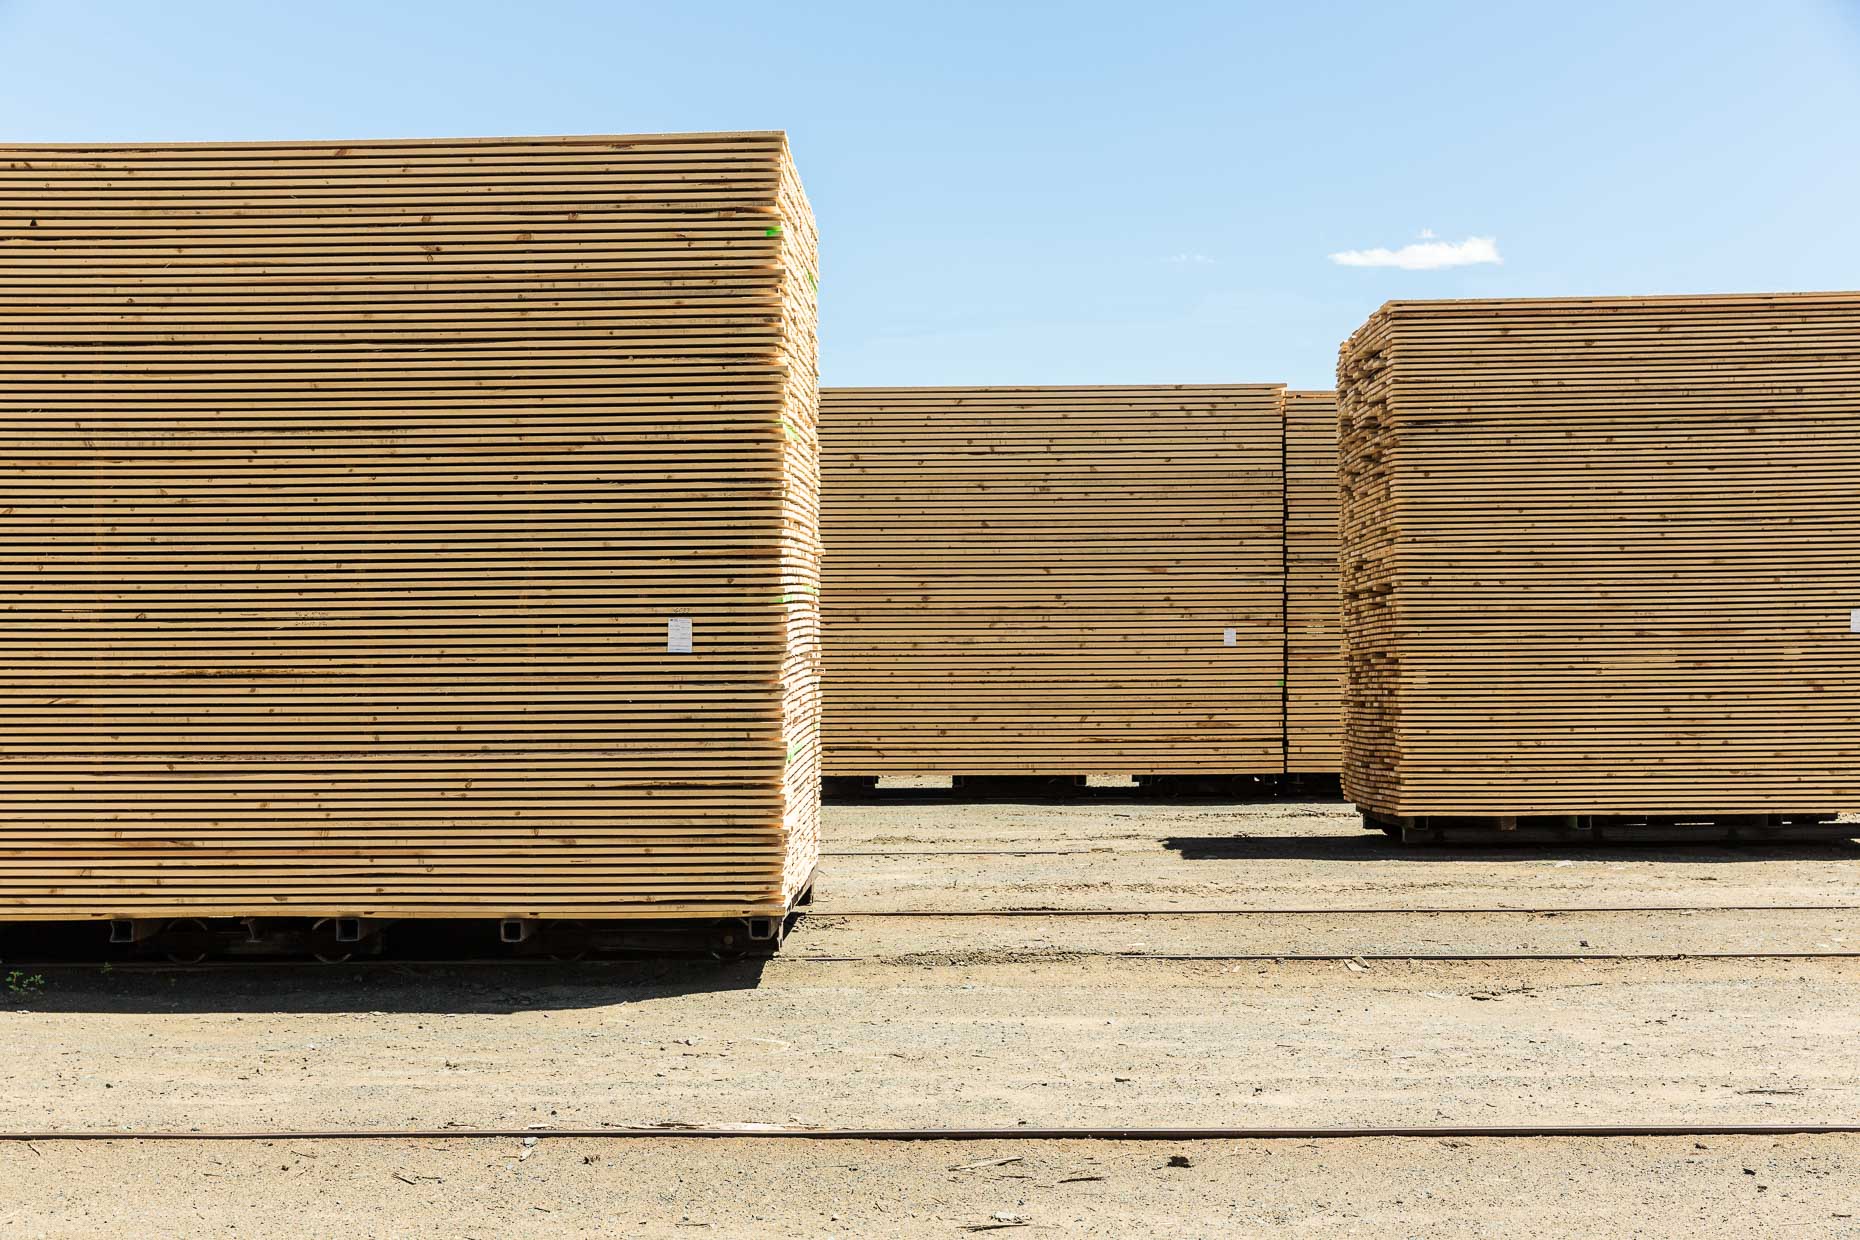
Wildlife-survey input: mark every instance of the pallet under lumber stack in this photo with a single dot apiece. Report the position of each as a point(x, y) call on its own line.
point(1602, 558)
point(1053, 580)
point(1313, 617)
point(404, 529)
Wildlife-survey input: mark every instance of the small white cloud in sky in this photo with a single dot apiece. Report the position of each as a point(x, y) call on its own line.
point(1186, 260)
point(1427, 254)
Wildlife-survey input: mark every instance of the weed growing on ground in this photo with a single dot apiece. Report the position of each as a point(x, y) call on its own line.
point(23, 985)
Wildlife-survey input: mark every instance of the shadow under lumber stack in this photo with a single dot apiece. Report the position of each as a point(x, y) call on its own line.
point(408, 528)
point(1313, 619)
point(1602, 557)
point(1053, 580)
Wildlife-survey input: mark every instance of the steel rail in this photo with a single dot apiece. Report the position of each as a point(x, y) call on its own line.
point(1061, 953)
point(828, 911)
point(978, 852)
point(1086, 1133)
point(1006, 954)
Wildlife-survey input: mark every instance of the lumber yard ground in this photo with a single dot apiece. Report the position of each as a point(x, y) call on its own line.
point(1279, 977)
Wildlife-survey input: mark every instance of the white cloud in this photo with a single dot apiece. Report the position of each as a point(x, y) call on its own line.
point(1198, 260)
point(1424, 255)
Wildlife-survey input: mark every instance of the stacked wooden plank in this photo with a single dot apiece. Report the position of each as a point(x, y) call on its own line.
point(1053, 580)
point(1313, 616)
point(408, 528)
point(1603, 556)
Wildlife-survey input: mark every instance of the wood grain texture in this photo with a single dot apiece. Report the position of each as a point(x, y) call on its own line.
point(1040, 580)
point(1313, 608)
point(352, 490)
point(1600, 556)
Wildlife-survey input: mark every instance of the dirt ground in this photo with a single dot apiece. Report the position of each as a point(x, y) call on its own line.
point(1646, 1187)
point(998, 1020)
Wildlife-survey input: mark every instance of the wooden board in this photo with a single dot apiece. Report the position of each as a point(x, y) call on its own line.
point(1602, 556)
point(1313, 611)
point(356, 496)
point(1041, 581)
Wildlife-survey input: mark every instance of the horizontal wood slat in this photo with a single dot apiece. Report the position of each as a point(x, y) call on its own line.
point(353, 492)
point(1313, 608)
point(1037, 580)
point(1602, 556)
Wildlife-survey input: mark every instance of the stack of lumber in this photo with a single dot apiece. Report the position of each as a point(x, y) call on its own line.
point(1053, 580)
point(1313, 618)
point(419, 528)
point(1603, 556)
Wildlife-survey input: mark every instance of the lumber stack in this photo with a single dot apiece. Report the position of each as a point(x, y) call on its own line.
point(408, 528)
point(1313, 615)
point(1053, 580)
point(1602, 556)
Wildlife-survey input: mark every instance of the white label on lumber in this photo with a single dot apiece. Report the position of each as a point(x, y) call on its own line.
point(678, 635)
point(1229, 638)
point(1853, 622)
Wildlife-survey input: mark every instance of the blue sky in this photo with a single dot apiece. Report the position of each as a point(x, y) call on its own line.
point(1086, 193)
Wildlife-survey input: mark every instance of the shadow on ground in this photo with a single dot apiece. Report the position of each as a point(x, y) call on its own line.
point(1372, 846)
point(1050, 790)
point(500, 988)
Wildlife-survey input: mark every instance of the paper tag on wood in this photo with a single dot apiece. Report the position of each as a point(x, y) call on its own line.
point(1853, 622)
point(678, 635)
point(1229, 637)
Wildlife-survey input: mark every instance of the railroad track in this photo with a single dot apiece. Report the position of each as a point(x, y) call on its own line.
point(1009, 953)
point(802, 1133)
point(828, 911)
point(974, 852)
point(1002, 955)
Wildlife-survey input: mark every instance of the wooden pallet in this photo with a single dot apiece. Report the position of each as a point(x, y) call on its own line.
point(1514, 829)
point(1601, 556)
point(1053, 580)
point(408, 529)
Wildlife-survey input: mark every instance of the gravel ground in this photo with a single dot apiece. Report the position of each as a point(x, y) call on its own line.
point(1158, 935)
point(994, 1020)
point(1137, 854)
point(943, 1041)
point(1678, 1187)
